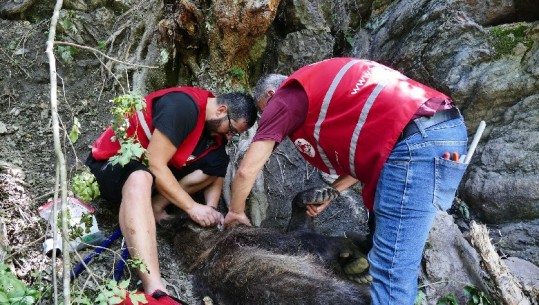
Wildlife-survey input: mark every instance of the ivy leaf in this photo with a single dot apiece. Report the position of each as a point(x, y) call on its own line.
point(137, 298)
point(124, 284)
point(137, 150)
point(75, 131)
point(115, 300)
point(3, 298)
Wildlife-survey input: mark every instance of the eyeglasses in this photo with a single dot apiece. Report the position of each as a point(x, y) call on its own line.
point(231, 130)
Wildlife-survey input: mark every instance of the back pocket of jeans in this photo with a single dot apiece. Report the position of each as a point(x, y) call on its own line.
point(448, 175)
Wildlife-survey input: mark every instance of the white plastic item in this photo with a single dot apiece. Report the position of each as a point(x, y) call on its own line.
point(76, 208)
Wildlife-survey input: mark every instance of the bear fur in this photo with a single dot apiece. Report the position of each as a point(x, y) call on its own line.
point(254, 265)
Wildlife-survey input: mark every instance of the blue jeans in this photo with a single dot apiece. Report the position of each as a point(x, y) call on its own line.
point(415, 182)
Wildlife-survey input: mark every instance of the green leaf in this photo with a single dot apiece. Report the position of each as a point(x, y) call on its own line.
point(3, 297)
point(115, 300)
point(75, 131)
point(420, 297)
point(138, 298)
point(124, 284)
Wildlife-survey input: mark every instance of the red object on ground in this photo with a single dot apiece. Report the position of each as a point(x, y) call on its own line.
point(162, 299)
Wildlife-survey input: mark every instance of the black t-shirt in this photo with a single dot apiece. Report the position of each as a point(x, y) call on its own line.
point(175, 114)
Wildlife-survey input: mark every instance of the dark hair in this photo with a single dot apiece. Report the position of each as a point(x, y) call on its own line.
point(240, 105)
point(268, 82)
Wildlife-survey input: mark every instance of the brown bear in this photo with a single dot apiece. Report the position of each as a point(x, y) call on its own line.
point(254, 265)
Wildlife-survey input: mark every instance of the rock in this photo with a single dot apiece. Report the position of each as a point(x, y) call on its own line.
point(449, 261)
point(3, 128)
point(14, 7)
point(505, 170)
point(517, 239)
point(527, 273)
point(302, 48)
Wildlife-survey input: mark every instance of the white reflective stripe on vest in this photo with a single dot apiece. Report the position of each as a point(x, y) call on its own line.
point(144, 125)
point(323, 112)
point(361, 121)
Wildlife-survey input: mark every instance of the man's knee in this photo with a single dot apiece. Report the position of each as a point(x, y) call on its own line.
point(196, 181)
point(138, 182)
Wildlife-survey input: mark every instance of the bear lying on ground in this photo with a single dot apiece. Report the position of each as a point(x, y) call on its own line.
point(253, 265)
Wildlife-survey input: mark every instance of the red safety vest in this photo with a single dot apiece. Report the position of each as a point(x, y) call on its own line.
point(357, 110)
point(103, 148)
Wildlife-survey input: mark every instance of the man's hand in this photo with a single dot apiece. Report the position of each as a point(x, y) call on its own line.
point(314, 209)
point(204, 215)
point(233, 219)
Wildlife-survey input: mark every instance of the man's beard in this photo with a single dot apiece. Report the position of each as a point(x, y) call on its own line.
point(212, 126)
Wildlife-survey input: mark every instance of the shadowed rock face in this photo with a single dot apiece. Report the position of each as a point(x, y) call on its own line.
point(253, 265)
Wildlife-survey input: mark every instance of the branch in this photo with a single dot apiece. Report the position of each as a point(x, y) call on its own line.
point(507, 284)
point(61, 162)
point(102, 54)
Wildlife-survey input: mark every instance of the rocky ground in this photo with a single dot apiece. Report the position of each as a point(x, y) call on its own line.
point(28, 160)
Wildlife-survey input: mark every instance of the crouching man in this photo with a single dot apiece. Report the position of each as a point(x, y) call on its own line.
point(184, 130)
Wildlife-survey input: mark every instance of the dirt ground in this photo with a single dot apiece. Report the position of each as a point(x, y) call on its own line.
point(28, 160)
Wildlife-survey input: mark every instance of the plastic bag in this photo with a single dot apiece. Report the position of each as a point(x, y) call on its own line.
point(77, 209)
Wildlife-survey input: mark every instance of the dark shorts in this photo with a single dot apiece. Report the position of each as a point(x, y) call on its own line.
point(111, 179)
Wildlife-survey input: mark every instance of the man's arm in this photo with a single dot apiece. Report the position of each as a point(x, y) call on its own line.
point(160, 151)
point(340, 184)
point(212, 193)
point(256, 156)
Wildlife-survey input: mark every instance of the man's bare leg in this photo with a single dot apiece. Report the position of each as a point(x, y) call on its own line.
point(138, 227)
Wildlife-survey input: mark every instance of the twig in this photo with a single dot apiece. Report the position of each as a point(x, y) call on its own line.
point(111, 73)
point(103, 54)
point(43, 196)
point(26, 246)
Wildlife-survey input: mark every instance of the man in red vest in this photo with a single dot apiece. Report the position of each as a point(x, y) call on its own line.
point(184, 130)
point(367, 123)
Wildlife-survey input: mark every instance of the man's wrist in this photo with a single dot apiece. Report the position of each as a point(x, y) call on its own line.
point(236, 210)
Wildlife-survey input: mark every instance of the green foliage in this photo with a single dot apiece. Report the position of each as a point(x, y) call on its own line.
point(129, 150)
point(125, 107)
point(101, 45)
point(75, 131)
point(420, 297)
point(67, 23)
point(506, 38)
point(237, 73)
point(110, 294)
point(463, 209)
point(79, 229)
point(349, 37)
point(138, 263)
point(85, 186)
point(164, 57)
point(13, 290)
point(476, 296)
point(66, 53)
point(450, 299)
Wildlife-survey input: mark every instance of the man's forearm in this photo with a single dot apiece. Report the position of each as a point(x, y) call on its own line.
point(255, 158)
point(213, 192)
point(241, 187)
point(344, 182)
point(168, 186)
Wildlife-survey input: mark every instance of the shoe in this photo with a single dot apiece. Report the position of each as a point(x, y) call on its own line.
point(165, 299)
